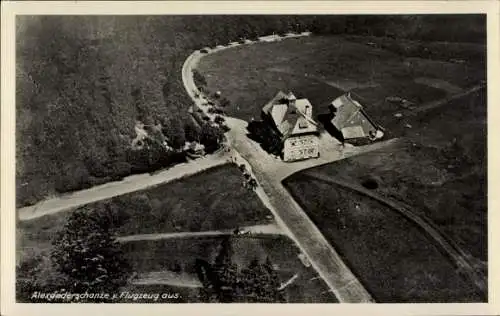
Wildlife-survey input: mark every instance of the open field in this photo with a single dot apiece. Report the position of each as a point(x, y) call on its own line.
point(201, 202)
point(81, 82)
point(79, 78)
point(440, 157)
point(148, 256)
point(456, 52)
point(212, 200)
point(322, 67)
point(441, 171)
point(198, 203)
point(394, 259)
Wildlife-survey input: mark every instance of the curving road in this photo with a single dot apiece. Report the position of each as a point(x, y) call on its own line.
point(449, 247)
point(269, 173)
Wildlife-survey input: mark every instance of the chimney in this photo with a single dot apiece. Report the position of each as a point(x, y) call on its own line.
point(291, 99)
point(308, 111)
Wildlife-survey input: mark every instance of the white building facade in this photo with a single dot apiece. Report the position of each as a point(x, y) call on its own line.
point(292, 119)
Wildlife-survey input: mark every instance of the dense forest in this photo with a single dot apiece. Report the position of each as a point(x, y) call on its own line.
point(83, 81)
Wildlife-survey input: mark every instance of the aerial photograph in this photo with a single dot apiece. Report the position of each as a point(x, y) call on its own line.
point(251, 159)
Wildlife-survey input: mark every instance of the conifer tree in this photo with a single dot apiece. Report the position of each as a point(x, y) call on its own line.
point(86, 252)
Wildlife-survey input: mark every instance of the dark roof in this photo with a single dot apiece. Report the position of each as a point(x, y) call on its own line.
point(370, 119)
point(349, 114)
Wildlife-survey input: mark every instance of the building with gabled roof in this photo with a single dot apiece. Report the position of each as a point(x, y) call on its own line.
point(351, 119)
point(291, 120)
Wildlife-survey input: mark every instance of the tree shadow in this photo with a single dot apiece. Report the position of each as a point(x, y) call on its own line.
point(267, 138)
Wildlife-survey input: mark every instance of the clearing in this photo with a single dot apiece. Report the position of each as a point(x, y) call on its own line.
point(440, 171)
point(393, 259)
point(182, 209)
point(197, 203)
point(429, 172)
point(320, 68)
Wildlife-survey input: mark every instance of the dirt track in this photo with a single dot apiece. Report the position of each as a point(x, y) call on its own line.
point(450, 248)
point(289, 215)
point(269, 229)
point(112, 189)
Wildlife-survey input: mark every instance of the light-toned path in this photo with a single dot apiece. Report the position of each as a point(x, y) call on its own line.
point(269, 229)
point(299, 227)
point(444, 101)
point(127, 185)
point(331, 151)
point(288, 282)
point(450, 248)
point(269, 173)
point(438, 84)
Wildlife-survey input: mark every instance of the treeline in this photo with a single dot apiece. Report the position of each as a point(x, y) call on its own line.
point(449, 28)
point(217, 30)
point(83, 81)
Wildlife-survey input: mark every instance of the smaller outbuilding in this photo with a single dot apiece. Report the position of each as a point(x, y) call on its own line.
point(352, 121)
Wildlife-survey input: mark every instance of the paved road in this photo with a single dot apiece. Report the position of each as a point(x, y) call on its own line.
point(449, 247)
point(292, 218)
point(289, 215)
point(112, 189)
point(267, 171)
point(269, 229)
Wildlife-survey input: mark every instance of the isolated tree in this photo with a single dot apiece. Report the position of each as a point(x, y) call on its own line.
point(252, 184)
point(199, 79)
point(272, 143)
point(139, 103)
point(249, 284)
point(154, 152)
point(86, 252)
point(224, 128)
